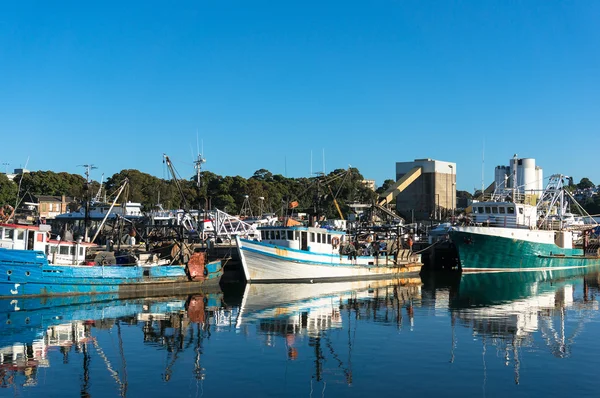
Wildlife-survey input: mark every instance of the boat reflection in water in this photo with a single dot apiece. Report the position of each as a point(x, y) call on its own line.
point(290, 314)
point(509, 309)
point(33, 328)
point(334, 339)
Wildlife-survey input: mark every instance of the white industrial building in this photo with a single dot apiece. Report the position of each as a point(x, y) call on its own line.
point(529, 177)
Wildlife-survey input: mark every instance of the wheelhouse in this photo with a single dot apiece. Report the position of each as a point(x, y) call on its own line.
point(37, 238)
point(319, 240)
point(505, 214)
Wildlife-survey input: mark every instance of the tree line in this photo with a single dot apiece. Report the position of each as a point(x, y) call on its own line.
point(226, 193)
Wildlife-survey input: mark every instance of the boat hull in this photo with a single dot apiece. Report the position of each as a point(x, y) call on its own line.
point(266, 263)
point(28, 274)
point(509, 249)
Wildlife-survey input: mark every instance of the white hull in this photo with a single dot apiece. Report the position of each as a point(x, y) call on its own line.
point(268, 263)
point(523, 234)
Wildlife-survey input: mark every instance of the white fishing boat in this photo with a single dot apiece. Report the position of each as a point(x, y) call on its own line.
point(299, 254)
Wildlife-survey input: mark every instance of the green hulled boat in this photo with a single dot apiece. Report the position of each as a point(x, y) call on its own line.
point(509, 236)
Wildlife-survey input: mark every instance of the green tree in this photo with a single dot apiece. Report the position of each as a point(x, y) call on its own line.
point(142, 188)
point(585, 183)
point(8, 191)
point(263, 175)
point(385, 186)
point(592, 205)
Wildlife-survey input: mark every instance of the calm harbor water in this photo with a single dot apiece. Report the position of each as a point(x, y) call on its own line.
point(477, 335)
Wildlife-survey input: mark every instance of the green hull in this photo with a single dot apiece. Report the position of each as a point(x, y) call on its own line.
point(480, 252)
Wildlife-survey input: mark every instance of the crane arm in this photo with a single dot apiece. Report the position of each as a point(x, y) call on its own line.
point(337, 206)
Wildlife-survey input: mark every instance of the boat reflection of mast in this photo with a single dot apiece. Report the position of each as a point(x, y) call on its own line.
point(123, 362)
point(176, 347)
point(86, 373)
point(198, 370)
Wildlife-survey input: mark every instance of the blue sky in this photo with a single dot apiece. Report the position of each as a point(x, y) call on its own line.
point(267, 83)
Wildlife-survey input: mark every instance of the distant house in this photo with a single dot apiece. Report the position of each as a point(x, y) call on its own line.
point(369, 184)
point(51, 206)
point(12, 176)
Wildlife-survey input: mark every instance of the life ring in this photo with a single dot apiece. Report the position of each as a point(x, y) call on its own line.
point(335, 242)
point(48, 236)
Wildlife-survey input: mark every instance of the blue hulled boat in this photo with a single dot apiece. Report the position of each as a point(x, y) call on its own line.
point(26, 273)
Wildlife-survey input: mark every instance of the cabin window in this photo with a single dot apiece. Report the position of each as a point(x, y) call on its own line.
point(39, 237)
point(63, 250)
point(481, 210)
point(328, 239)
point(53, 249)
point(502, 210)
point(511, 210)
point(263, 235)
point(8, 233)
point(312, 236)
point(475, 210)
point(290, 235)
point(80, 251)
point(271, 235)
point(495, 210)
point(276, 235)
point(72, 250)
point(520, 210)
point(488, 210)
point(318, 238)
point(20, 235)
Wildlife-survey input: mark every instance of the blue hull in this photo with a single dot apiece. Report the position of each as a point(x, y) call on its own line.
point(26, 273)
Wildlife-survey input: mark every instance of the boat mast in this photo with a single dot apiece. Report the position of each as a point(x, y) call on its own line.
point(88, 168)
point(175, 179)
point(198, 166)
point(99, 193)
point(123, 185)
point(514, 181)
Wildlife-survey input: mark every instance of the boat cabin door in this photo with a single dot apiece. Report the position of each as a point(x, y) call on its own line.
point(303, 240)
point(30, 239)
